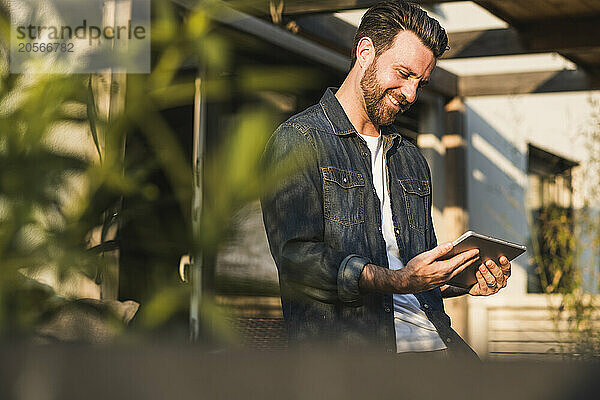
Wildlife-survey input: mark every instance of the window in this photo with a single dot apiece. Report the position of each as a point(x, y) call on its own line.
point(549, 203)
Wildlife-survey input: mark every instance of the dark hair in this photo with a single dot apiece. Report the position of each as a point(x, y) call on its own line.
point(383, 21)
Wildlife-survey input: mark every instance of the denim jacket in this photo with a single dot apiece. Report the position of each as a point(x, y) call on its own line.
point(323, 224)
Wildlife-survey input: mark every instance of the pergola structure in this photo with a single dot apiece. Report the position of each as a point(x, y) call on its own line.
point(568, 27)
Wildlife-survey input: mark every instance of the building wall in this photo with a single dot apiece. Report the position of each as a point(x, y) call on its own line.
point(499, 129)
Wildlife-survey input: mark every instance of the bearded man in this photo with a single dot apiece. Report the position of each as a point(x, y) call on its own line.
point(350, 228)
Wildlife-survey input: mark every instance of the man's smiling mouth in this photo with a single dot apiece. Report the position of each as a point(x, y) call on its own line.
point(393, 100)
point(398, 101)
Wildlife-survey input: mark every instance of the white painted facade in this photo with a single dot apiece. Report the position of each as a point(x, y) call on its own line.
point(499, 129)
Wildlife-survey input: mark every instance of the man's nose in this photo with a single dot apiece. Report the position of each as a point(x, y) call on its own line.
point(410, 90)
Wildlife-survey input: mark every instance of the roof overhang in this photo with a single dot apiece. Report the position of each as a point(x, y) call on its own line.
point(567, 27)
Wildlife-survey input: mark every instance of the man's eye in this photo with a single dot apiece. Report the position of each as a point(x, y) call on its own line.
point(402, 74)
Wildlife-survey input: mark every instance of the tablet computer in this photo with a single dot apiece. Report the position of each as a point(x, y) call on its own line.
point(490, 248)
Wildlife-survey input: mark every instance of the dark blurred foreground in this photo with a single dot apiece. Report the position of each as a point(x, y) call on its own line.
point(160, 372)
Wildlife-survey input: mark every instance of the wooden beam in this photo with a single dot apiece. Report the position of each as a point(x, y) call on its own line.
point(492, 42)
point(328, 30)
point(275, 35)
point(573, 38)
point(562, 35)
point(443, 82)
point(316, 6)
point(527, 82)
point(588, 60)
point(292, 7)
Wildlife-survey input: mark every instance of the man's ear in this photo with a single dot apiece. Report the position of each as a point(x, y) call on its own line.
point(365, 52)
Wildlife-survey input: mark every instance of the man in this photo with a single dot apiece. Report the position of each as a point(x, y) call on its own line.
point(350, 229)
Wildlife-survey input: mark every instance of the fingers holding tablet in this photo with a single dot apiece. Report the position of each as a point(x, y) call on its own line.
point(482, 287)
point(496, 272)
point(490, 278)
point(505, 265)
point(497, 251)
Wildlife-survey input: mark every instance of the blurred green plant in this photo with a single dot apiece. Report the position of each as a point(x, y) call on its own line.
point(64, 178)
point(555, 249)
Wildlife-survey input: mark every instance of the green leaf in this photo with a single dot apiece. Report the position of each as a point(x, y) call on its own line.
point(93, 116)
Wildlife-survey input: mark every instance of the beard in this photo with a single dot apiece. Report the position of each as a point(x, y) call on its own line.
point(378, 109)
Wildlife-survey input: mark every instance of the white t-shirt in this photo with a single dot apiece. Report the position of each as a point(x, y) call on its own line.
point(414, 331)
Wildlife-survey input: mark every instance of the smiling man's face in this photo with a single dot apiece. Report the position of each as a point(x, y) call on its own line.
point(391, 82)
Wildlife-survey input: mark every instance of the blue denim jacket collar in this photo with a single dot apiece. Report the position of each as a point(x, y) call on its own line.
point(339, 121)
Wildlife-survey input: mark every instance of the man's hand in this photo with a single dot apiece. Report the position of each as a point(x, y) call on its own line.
point(423, 272)
point(428, 272)
point(491, 277)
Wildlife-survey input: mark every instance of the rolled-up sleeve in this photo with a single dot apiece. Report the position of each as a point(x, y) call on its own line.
point(293, 217)
point(348, 278)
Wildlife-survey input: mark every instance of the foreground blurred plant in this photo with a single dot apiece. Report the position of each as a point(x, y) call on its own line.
point(63, 178)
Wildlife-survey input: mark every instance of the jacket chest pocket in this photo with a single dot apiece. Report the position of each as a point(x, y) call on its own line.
point(417, 195)
point(343, 196)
